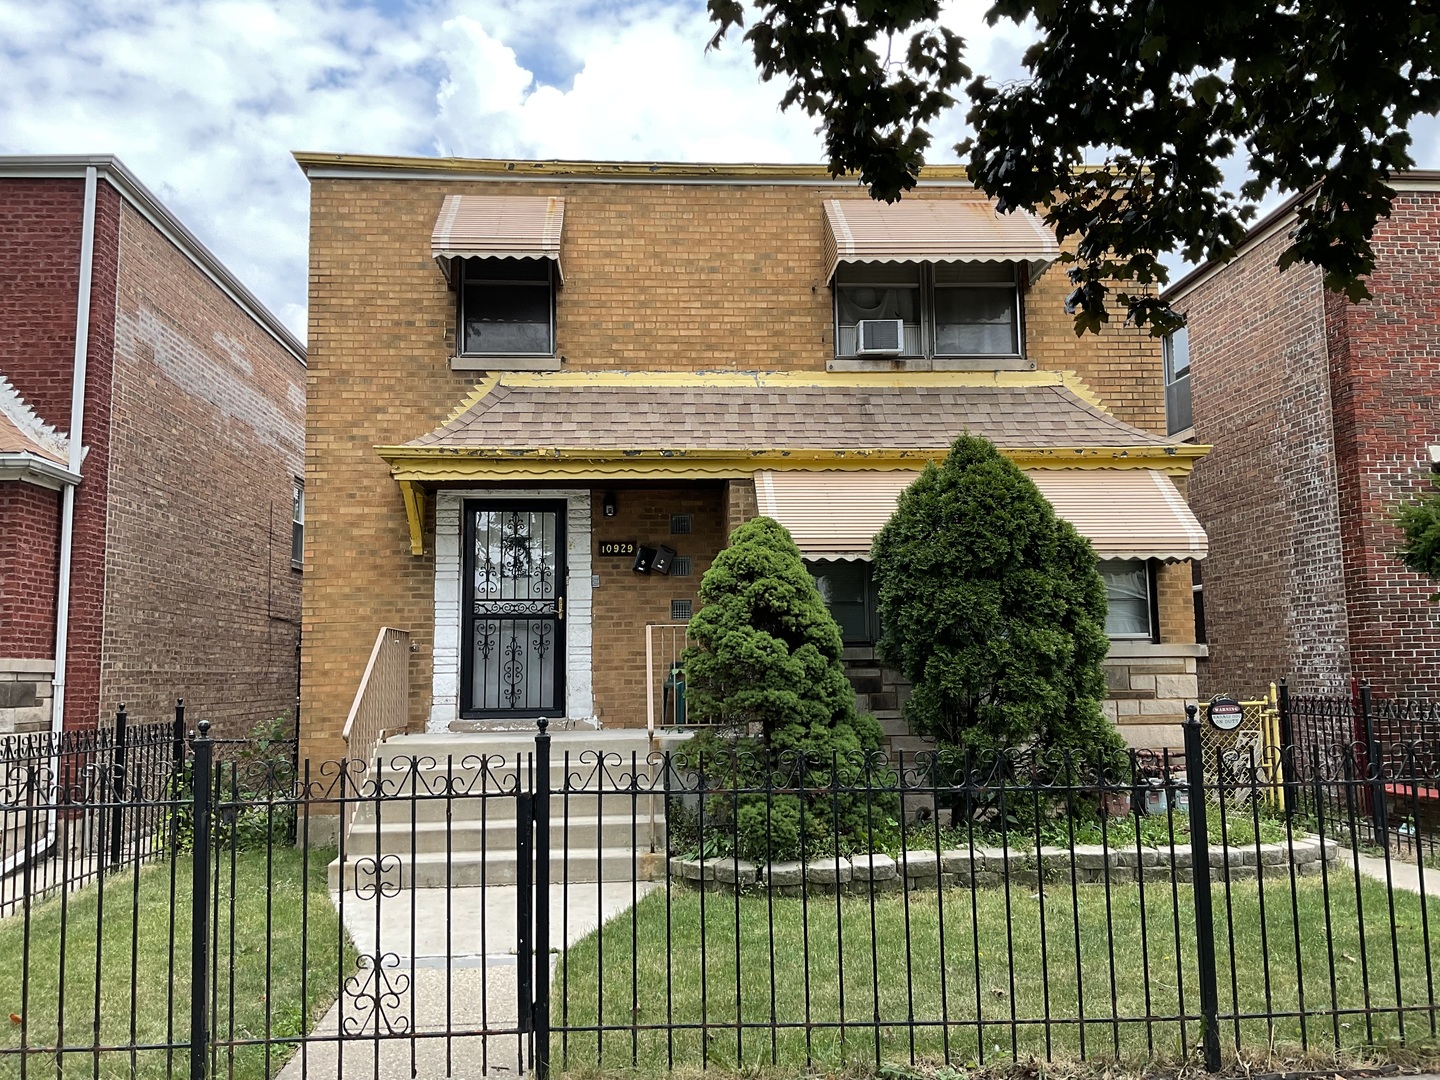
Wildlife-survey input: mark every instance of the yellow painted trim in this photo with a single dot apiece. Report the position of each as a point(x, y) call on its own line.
point(410, 464)
point(781, 380)
point(470, 400)
point(658, 171)
point(415, 513)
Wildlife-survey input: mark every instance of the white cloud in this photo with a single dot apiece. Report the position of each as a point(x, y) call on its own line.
point(206, 99)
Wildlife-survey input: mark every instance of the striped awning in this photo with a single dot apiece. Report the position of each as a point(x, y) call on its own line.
point(499, 227)
point(934, 230)
point(1125, 513)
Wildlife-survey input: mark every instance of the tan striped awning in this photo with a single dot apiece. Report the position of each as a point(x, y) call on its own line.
point(934, 230)
point(1125, 513)
point(500, 227)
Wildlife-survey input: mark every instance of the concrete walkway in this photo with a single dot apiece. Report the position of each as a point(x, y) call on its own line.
point(446, 976)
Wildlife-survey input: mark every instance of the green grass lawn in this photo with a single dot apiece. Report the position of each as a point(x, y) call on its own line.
point(142, 994)
point(999, 977)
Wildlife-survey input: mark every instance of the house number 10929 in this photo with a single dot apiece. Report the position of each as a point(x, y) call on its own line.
point(617, 547)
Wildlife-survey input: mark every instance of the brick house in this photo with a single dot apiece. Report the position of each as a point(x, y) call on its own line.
point(542, 393)
point(159, 499)
point(1323, 416)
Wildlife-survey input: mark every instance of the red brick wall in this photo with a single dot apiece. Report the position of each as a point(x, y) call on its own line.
point(40, 225)
point(201, 600)
point(1385, 374)
point(29, 561)
point(1267, 493)
point(1320, 411)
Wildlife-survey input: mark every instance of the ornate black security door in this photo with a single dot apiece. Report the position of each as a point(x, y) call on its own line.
point(513, 652)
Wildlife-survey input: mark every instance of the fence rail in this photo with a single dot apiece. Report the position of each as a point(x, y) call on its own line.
point(731, 910)
point(76, 803)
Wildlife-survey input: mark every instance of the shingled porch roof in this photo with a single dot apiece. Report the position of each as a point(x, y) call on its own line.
point(553, 415)
point(571, 426)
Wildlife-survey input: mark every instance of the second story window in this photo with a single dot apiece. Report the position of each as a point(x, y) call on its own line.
point(507, 307)
point(909, 310)
point(1177, 381)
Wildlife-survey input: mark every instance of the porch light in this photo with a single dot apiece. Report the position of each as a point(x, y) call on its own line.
point(607, 506)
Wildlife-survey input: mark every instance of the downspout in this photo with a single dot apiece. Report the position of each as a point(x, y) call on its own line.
point(77, 426)
point(67, 519)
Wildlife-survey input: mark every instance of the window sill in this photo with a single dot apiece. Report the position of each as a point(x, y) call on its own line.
point(505, 363)
point(920, 363)
point(1135, 648)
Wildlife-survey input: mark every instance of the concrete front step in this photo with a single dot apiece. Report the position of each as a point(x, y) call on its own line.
point(614, 832)
point(510, 744)
point(502, 808)
point(393, 872)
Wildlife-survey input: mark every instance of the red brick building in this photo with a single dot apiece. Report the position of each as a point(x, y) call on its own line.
point(146, 531)
point(1322, 415)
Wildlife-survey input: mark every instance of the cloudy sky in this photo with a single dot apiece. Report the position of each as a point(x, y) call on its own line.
point(204, 101)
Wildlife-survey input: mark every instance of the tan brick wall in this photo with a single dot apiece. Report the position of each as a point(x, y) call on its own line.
point(626, 601)
point(740, 504)
point(657, 277)
point(1175, 600)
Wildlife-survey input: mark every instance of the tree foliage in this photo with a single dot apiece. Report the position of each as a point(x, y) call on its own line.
point(765, 669)
point(1314, 96)
point(1420, 523)
point(993, 607)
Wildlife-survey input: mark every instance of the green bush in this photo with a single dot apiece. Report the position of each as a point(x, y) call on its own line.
point(993, 607)
point(765, 673)
point(1420, 524)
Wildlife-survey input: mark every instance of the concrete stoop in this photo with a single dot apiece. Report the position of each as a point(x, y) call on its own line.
point(440, 811)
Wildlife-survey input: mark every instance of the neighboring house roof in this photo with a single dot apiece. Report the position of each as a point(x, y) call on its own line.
point(110, 168)
point(1283, 217)
point(30, 449)
point(749, 413)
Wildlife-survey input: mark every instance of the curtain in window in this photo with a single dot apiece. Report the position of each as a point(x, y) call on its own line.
point(1127, 589)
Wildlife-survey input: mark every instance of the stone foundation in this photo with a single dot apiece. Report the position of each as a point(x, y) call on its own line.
point(25, 695)
point(993, 867)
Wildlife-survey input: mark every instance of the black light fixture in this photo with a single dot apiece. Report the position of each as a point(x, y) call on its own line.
point(607, 505)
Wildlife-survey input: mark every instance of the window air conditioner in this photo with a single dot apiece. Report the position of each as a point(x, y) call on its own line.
point(880, 337)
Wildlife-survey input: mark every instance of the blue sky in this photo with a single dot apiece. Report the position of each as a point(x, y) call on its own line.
point(206, 100)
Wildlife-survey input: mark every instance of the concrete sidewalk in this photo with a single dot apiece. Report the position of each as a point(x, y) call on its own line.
point(441, 999)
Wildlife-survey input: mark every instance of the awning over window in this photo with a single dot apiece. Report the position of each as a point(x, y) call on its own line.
point(934, 230)
point(1125, 513)
point(499, 226)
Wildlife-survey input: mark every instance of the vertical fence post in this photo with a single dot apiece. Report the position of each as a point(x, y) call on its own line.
point(1288, 775)
point(1200, 876)
point(176, 789)
point(1375, 769)
point(117, 787)
point(200, 905)
point(541, 1066)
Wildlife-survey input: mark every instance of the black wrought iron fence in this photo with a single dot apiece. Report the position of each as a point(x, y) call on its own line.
point(1383, 754)
point(561, 908)
point(76, 803)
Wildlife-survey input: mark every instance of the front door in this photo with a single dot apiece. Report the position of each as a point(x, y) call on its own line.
point(513, 652)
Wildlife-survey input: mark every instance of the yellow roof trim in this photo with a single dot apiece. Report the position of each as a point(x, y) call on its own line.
point(659, 171)
point(783, 379)
point(436, 463)
point(470, 400)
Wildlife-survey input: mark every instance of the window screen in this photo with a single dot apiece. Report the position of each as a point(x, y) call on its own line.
point(506, 307)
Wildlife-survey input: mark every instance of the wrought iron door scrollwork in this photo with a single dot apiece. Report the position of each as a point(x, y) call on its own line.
point(374, 997)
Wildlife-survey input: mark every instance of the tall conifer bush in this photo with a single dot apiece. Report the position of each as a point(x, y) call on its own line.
point(765, 668)
point(994, 609)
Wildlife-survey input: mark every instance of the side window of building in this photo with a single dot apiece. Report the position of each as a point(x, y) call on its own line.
point(507, 307)
point(848, 589)
point(1177, 381)
point(297, 524)
point(1130, 594)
